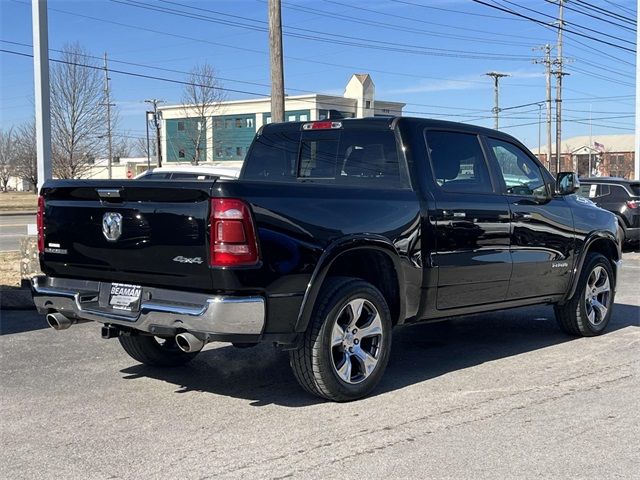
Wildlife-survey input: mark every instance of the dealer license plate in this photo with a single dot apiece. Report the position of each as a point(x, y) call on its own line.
point(123, 296)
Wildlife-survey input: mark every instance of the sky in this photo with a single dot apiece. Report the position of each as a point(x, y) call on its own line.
point(430, 54)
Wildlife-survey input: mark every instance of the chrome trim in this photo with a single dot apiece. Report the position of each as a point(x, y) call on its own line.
point(108, 192)
point(184, 311)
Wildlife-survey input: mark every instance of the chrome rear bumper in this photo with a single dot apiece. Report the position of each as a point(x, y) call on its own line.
point(161, 311)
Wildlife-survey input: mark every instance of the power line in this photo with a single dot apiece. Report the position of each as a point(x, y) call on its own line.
point(334, 38)
point(567, 22)
point(262, 53)
point(396, 27)
point(608, 21)
point(462, 12)
point(182, 82)
point(596, 8)
point(136, 64)
point(622, 7)
point(541, 22)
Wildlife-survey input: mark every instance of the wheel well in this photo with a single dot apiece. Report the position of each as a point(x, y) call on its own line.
point(374, 267)
point(605, 247)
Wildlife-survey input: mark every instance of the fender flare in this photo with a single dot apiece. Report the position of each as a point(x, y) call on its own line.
point(332, 253)
point(589, 241)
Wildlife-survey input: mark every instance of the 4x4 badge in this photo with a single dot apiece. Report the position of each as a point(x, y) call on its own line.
point(112, 226)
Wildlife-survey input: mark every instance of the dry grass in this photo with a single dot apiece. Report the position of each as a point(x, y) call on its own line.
point(10, 269)
point(15, 201)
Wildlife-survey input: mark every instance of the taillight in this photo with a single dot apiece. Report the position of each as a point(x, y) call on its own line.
point(632, 204)
point(40, 224)
point(233, 237)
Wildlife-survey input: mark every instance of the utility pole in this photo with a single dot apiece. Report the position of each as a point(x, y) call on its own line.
point(559, 74)
point(539, 127)
point(41, 83)
point(496, 90)
point(147, 113)
point(108, 104)
point(636, 160)
point(156, 122)
point(546, 61)
point(277, 68)
point(590, 142)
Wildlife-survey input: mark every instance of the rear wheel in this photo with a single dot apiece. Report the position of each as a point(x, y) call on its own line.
point(346, 347)
point(155, 351)
point(588, 312)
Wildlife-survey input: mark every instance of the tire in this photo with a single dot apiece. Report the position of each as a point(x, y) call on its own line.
point(580, 316)
point(339, 363)
point(148, 350)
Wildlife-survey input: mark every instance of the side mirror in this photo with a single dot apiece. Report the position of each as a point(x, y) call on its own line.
point(567, 183)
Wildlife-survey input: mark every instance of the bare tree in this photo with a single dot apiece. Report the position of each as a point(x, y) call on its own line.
point(77, 112)
point(141, 150)
point(200, 100)
point(26, 159)
point(7, 157)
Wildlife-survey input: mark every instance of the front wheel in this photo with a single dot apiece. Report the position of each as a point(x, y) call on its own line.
point(346, 347)
point(155, 351)
point(588, 312)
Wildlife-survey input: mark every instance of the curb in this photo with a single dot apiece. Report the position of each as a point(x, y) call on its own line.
point(17, 213)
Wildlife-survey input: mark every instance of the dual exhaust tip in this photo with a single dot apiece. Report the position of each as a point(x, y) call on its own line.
point(187, 342)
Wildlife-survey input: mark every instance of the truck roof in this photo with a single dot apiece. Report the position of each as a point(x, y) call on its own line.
point(388, 121)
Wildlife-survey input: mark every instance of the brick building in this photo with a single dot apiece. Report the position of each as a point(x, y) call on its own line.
point(608, 156)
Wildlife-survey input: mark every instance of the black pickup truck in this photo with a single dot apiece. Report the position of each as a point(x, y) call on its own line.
point(335, 232)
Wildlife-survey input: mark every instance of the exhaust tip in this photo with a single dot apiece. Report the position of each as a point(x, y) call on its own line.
point(189, 343)
point(57, 321)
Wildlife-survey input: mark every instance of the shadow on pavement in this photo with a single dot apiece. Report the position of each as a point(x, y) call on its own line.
point(419, 353)
point(20, 321)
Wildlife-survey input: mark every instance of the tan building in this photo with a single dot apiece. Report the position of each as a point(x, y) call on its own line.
point(603, 156)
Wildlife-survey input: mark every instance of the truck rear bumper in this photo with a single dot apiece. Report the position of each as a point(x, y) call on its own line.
point(162, 311)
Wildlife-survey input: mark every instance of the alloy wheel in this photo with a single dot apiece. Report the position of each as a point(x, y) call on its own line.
point(597, 295)
point(356, 340)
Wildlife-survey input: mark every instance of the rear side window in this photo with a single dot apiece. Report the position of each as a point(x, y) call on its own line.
point(458, 162)
point(351, 157)
point(619, 192)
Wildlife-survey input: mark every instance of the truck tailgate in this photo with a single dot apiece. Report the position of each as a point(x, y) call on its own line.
point(137, 232)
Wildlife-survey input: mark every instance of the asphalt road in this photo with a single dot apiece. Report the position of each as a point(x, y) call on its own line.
point(503, 395)
point(12, 228)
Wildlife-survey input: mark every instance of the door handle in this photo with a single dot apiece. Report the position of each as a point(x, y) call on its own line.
point(453, 214)
point(520, 216)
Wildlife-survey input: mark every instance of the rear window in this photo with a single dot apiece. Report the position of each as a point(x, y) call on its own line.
point(351, 157)
point(635, 188)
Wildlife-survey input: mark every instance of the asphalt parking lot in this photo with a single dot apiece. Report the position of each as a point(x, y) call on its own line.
point(502, 395)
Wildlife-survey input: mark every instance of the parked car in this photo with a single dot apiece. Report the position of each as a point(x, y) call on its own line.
point(335, 232)
point(189, 172)
point(619, 196)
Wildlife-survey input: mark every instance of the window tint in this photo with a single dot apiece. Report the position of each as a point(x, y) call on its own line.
point(458, 162)
point(370, 157)
point(619, 193)
point(155, 176)
point(603, 190)
point(332, 156)
point(521, 174)
point(273, 156)
point(635, 188)
point(190, 176)
point(318, 154)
